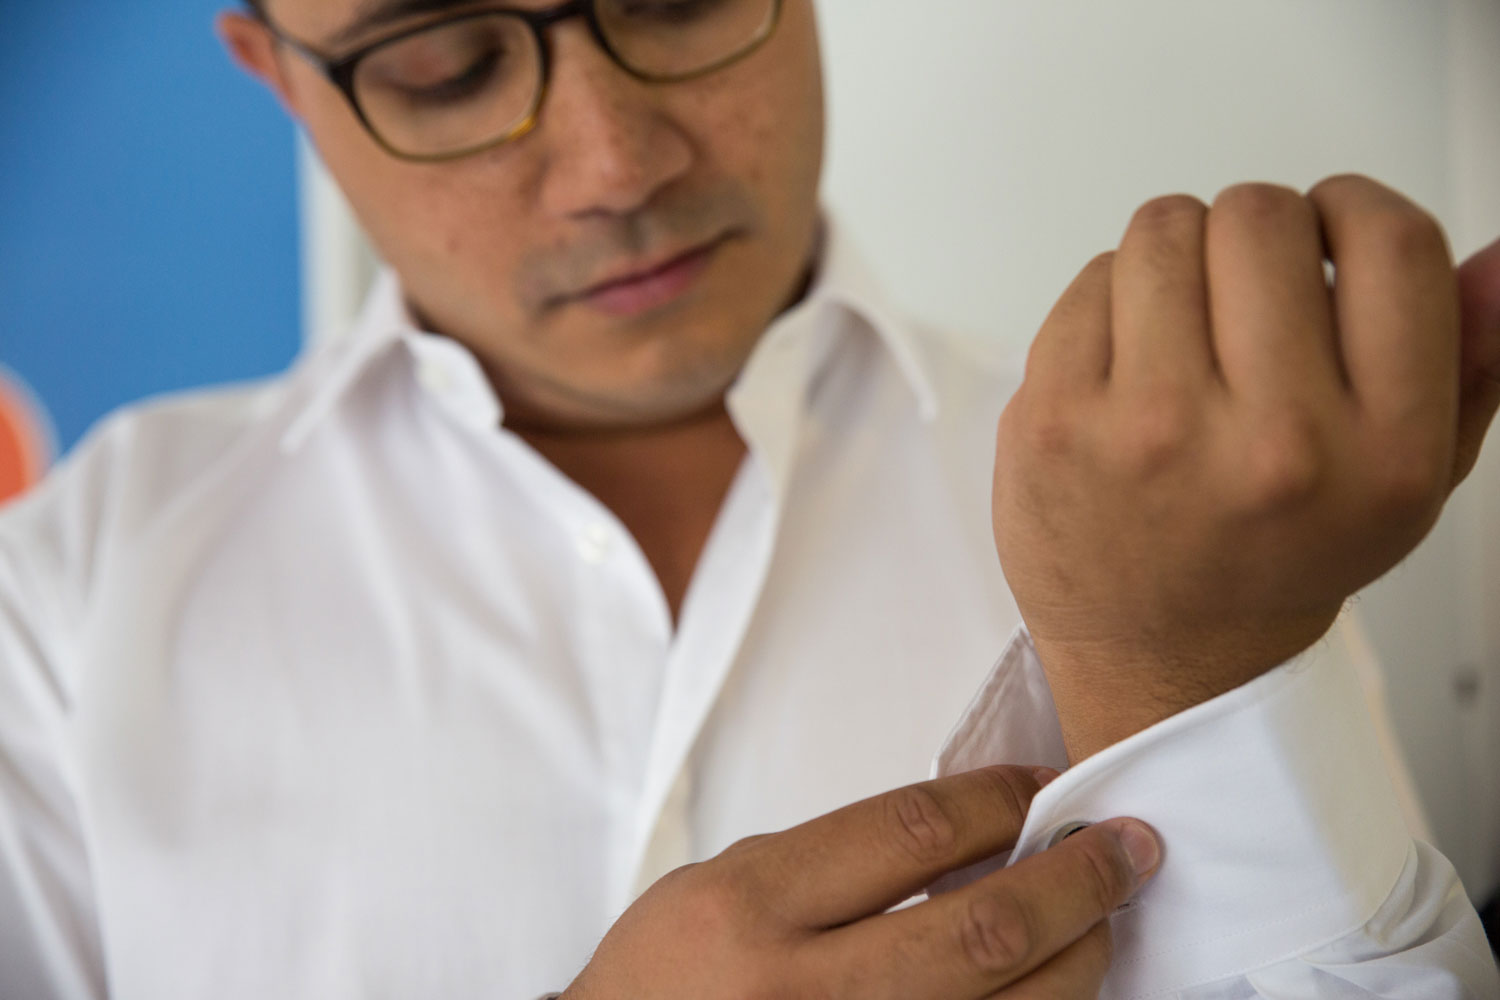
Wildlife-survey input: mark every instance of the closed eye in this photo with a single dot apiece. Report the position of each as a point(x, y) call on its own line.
point(464, 85)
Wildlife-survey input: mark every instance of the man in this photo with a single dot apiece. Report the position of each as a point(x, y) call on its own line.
point(631, 522)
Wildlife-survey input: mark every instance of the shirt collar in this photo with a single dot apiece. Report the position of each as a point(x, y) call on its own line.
point(337, 365)
point(846, 282)
point(452, 375)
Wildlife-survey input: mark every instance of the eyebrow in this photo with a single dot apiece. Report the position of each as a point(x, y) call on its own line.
point(381, 13)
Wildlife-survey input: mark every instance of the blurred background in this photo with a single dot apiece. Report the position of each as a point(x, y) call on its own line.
point(148, 213)
point(161, 227)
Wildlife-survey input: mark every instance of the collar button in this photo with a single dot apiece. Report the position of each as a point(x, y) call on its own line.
point(595, 543)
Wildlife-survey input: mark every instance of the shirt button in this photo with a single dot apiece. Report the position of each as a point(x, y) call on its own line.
point(434, 378)
point(595, 543)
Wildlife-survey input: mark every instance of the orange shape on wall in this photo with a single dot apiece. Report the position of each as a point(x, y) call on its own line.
point(24, 451)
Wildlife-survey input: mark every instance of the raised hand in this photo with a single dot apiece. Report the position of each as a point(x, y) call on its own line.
point(1215, 446)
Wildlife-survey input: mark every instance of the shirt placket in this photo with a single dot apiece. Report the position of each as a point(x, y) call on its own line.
point(624, 630)
point(767, 406)
point(619, 622)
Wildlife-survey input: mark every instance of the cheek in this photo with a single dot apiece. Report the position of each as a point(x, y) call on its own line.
point(766, 135)
point(418, 216)
point(437, 224)
point(781, 142)
point(761, 121)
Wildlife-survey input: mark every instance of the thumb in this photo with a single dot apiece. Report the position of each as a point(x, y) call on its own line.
point(1479, 292)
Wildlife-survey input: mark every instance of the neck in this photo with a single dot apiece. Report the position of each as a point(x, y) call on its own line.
point(665, 482)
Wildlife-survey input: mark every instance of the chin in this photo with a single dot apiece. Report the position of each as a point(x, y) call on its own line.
point(676, 374)
point(674, 401)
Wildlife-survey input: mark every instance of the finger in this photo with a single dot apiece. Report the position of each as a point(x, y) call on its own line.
point(1397, 300)
point(1078, 971)
point(1071, 353)
point(1273, 329)
point(871, 855)
point(1160, 298)
point(1479, 294)
point(995, 932)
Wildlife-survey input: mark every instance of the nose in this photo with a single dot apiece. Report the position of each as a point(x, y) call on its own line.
point(608, 142)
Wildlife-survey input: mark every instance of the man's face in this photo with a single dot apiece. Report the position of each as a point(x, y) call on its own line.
point(507, 249)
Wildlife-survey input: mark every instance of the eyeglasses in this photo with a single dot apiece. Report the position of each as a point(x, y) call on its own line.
point(475, 80)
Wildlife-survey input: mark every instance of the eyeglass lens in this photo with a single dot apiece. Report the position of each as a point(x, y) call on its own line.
point(474, 81)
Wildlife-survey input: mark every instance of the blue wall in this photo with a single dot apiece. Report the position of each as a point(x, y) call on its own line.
point(148, 227)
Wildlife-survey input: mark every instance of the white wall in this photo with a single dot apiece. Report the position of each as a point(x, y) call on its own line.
point(1474, 32)
point(983, 150)
point(338, 264)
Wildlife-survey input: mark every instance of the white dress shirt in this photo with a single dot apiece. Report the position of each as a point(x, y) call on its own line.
point(331, 687)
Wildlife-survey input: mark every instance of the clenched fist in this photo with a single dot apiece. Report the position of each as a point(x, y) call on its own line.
point(1218, 440)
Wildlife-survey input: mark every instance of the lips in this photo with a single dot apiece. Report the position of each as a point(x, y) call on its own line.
point(651, 287)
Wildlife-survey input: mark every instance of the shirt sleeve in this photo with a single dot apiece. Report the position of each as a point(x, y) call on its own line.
point(1289, 869)
point(49, 942)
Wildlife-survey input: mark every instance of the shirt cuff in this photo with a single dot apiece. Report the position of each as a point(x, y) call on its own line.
point(1280, 825)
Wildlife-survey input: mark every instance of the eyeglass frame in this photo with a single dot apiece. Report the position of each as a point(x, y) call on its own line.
point(340, 71)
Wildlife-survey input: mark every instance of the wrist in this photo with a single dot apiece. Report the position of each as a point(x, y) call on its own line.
point(1107, 691)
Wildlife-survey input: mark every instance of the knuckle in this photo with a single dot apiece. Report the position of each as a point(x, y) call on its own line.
point(679, 883)
point(1158, 434)
point(1257, 203)
point(745, 845)
point(1168, 214)
point(717, 901)
point(997, 934)
point(1013, 787)
point(677, 877)
point(1054, 437)
point(1048, 429)
point(1348, 179)
point(1408, 235)
point(1102, 262)
point(1405, 230)
point(1283, 466)
point(718, 897)
point(919, 825)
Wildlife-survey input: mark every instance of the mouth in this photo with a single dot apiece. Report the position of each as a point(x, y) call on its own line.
point(643, 289)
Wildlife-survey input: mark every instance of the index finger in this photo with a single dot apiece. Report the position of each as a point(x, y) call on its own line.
point(869, 856)
point(1072, 354)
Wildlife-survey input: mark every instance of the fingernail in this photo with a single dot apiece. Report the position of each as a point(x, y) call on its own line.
point(1045, 776)
point(1141, 846)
